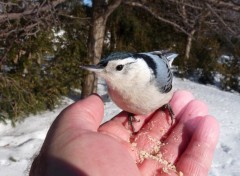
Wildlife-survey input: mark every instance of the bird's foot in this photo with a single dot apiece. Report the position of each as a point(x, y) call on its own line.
point(131, 119)
point(171, 113)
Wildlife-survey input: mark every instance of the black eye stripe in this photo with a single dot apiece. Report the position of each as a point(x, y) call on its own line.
point(151, 64)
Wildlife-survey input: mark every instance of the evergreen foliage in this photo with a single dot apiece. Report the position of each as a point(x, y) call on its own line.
point(40, 69)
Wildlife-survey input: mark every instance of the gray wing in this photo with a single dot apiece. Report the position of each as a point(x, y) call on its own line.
point(166, 85)
point(164, 77)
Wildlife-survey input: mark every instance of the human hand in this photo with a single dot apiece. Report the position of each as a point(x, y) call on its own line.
point(76, 144)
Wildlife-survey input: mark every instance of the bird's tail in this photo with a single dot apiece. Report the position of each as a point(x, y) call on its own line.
point(170, 56)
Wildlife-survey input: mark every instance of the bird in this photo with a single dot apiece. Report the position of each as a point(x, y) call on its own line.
point(138, 83)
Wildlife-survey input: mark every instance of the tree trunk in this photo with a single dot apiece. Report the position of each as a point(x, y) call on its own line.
point(189, 44)
point(101, 12)
point(95, 45)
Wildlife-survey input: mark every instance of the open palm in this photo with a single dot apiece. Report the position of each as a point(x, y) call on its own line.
point(76, 144)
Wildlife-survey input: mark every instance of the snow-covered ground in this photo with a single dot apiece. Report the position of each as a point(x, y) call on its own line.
point(19, 145)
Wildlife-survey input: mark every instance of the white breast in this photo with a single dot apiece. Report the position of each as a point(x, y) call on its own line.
point(139, 99)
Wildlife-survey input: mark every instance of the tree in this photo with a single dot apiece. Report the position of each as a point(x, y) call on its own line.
point(100, 13)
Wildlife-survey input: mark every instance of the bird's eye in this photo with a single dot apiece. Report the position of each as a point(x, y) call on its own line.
point(119, 67)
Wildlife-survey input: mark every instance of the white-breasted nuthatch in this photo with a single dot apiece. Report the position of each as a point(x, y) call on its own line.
point(138, 83)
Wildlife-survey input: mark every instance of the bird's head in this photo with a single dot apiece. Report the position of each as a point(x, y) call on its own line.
point(135, 69)
point(120, 67)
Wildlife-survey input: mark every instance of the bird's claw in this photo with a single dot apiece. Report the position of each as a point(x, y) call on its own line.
point(171, 113)
point(131, 119)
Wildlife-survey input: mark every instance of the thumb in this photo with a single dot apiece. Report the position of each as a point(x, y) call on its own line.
point(84, 114)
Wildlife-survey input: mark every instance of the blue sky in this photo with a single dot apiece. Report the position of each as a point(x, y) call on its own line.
point(88, 2)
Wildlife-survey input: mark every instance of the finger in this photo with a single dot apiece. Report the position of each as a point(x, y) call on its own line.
point(179, 100)
point(83, 115)
point(152, 168)
point(181, 134)
point(177, 140)
point(197, 158)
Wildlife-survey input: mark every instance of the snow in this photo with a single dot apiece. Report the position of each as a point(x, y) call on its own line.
point(19, 145)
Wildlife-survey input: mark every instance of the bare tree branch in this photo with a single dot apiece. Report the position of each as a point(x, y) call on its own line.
point(220, 19)
point(149, 10)
point(73, 17)
point(230, 4)
point(112, 6)
point(186, 4)
point(30, 11)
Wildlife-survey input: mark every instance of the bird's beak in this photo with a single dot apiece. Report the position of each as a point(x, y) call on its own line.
point(92, 68)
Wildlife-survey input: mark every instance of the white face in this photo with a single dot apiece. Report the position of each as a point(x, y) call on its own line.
point(117, 69)
point(128, 70)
